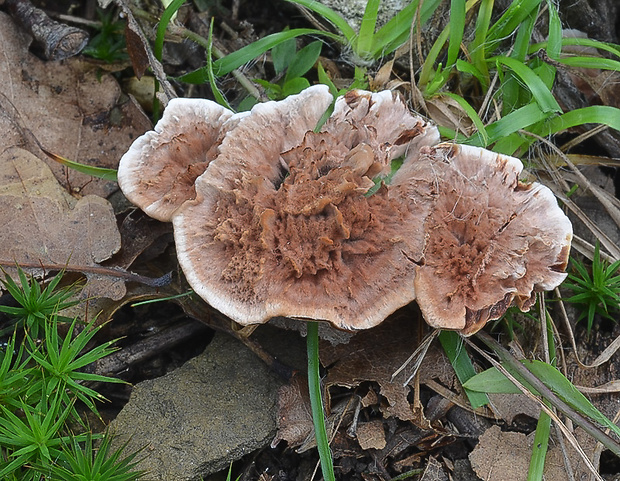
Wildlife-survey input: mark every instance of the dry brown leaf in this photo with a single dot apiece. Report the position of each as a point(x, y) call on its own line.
point(446, 111)
point(501, 455)
point(71, 108)
point(434, 471)
point(375, 354)
point(42, 224)
point(506, 455)
point(294, 419)
point(371, 435)
point(508, 406)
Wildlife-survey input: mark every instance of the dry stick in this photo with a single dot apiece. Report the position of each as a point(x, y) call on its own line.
point(569, 435)
point(97, 270)
point(583, 137)
point(200, 40)
point(602, 358)
point(419, 105)
point(544, 391)
point(583, 182)
point(158, 69)
point(59, 41)
point(122, 359)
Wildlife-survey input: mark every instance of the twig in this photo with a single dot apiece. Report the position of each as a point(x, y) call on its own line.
point(156, 66)
point(97, 270)
point(59, 41)
point(124, 358)
point(200, 40)
point(545, 392)
point(536, 383)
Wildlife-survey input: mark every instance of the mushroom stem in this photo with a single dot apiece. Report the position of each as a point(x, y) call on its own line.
point(316, 402)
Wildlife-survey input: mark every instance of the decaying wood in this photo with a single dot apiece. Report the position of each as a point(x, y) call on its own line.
point(58, 41)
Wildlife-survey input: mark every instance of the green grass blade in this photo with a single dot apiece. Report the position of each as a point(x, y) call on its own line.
point(455, 350)
point(335, 18)
point(304, 60)
point(513, 122)
point(594, 114)
point(545, 71)
point(396, 31)
point(366, 35)
point(591, 62)
point(472, 114)
point(250, 52)
point(582, 42)
point(539, 448)
point(283, 54)
point(518, 11)
point(316, 401)
point(541, 93)
point(456, 27)
point(469, 68)
point(477, 49)
point(431, 59)
point(217, 93)
point(99, 172)
point(512, 144)
point(158, 46)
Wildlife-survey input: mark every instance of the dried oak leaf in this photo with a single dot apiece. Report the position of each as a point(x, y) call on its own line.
point(506, 455)
point(492, 240)
point(294, 417)
point(70, 107)
point(283, 223)
point(42, 224)
point(375, 355)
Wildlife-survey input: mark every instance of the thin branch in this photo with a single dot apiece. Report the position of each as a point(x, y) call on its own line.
point(97, 270)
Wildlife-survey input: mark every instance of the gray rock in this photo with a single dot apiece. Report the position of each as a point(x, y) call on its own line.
point(195, 420)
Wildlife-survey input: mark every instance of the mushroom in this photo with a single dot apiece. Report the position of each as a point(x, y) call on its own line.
point(492, 240)
point(283, 223)
point(159, 170)
point(272, 218)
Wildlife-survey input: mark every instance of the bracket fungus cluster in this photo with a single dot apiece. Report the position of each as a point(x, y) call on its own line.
point(277, 215)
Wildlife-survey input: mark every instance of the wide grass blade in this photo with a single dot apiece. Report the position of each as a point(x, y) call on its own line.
point(513, 122)
point(365, 38)
point(518, 11)
point(304, 60)
point(335, 18)
point(455, 350)
point(591, 62)
point(594, 114)
point(582, 42)
point(396, 31)
point(316, 401)
point(456, 27)
point(540, 92)
point(477, 49)
point(249, 53)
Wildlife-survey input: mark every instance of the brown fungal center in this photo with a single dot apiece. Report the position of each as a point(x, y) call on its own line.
point(311, 222)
